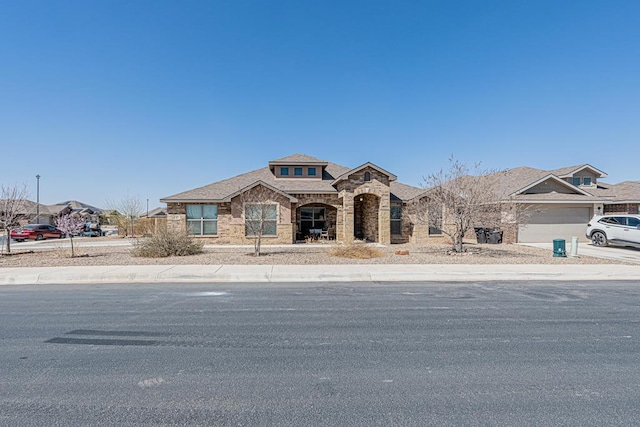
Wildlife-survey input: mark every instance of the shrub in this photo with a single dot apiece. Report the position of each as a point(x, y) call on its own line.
point(355, 250)
point(165, 244)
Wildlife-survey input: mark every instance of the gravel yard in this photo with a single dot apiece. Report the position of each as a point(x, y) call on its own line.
point(299, 254)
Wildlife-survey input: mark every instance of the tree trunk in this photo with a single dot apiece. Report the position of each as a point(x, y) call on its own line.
point(7, 233)
point(257, 246)
point(71, 239)
point(457, 244)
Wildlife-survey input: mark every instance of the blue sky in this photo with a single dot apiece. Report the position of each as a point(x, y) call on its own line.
point(151, 98)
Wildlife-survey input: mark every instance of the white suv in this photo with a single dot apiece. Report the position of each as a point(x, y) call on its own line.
point(618, 229)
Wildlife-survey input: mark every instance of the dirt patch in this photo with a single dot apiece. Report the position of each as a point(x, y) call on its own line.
point(299, 254)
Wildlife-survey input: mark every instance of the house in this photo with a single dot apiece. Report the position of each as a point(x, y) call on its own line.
point(304, 197)
point(307, 197)
point(559, 203)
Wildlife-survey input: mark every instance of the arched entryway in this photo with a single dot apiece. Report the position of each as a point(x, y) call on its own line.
point(366, 208)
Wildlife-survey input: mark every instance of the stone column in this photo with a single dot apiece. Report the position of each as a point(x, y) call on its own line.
point(384, 220)
point(345, 231)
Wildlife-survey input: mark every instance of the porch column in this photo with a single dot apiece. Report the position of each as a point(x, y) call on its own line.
point(345, 213)
point(384, 219)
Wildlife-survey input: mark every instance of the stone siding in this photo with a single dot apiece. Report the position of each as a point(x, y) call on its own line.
point(332, 206)
point(622, 208)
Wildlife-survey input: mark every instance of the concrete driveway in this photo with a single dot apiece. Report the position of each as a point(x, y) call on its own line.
point(618, 253)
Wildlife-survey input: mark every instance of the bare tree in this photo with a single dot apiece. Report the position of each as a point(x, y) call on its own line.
point(468, 199)
point(127, 210)
point(13, 205)
point(70, 225)
point(260, 214)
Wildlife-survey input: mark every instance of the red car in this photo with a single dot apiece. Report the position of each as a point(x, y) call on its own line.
point(36, 232)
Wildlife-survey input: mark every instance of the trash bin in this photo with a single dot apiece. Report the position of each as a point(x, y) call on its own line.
point(494, 236)
point(481, 235)
point(559, 248)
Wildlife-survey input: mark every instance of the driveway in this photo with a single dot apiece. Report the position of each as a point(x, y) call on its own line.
point(618, 253)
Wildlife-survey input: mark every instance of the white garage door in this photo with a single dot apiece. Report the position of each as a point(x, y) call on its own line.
point(555, 223)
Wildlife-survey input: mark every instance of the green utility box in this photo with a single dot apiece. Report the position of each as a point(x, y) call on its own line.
point(559, 248)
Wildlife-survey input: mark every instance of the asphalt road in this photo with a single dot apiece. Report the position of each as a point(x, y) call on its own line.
point(330, 354)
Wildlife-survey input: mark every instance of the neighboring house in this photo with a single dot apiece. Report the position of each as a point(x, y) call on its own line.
point(560, 202)
point(305, 196)
point(47, 214)
point(76, 208)
point(157, 213)
point(29, 211)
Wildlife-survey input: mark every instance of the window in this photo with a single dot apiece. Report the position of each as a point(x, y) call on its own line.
point(367, 176)
point(575, 180)
point(396, 219)
point(435, 220)
point(311, 171)
point(586, 181)
point(297, 171)
point(260, 219)
point(284, 171)
point(633, 222)
point(202, 220)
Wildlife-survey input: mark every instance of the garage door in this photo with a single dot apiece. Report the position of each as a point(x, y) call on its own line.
point(555, 223)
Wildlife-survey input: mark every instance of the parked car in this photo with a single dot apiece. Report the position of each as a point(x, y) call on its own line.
point(616, 229)
point(92, 229)
point(36, 232)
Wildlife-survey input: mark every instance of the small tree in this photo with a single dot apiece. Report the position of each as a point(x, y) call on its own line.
point(70, 225)
point(13, 204)
point(260, 214)
point(127, 211)
point(468, 200)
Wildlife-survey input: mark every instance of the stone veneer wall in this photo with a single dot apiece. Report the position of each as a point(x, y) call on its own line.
point(622, 208)
point(354, 186)
point(231, 227)
point(332, 206)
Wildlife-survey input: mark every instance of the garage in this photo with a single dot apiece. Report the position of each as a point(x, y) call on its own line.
point(550, 222)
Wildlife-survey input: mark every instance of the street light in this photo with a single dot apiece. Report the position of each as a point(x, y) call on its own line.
point(38, 199)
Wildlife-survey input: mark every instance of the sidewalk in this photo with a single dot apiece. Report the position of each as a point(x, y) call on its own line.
point(315, 273)
point(617, 253)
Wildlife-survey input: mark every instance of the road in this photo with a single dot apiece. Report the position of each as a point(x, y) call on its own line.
point(346, 354)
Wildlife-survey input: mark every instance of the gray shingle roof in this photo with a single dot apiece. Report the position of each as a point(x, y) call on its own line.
point(627, 191)
point(509, 182)
point(220, 190)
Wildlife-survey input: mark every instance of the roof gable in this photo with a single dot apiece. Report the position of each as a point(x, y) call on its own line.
point(258, 184)
point(569, 171)
point(555, 181)
point(347, 174)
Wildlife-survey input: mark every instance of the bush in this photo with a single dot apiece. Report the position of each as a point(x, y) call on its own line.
point(355, 250)
point(165, 244)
